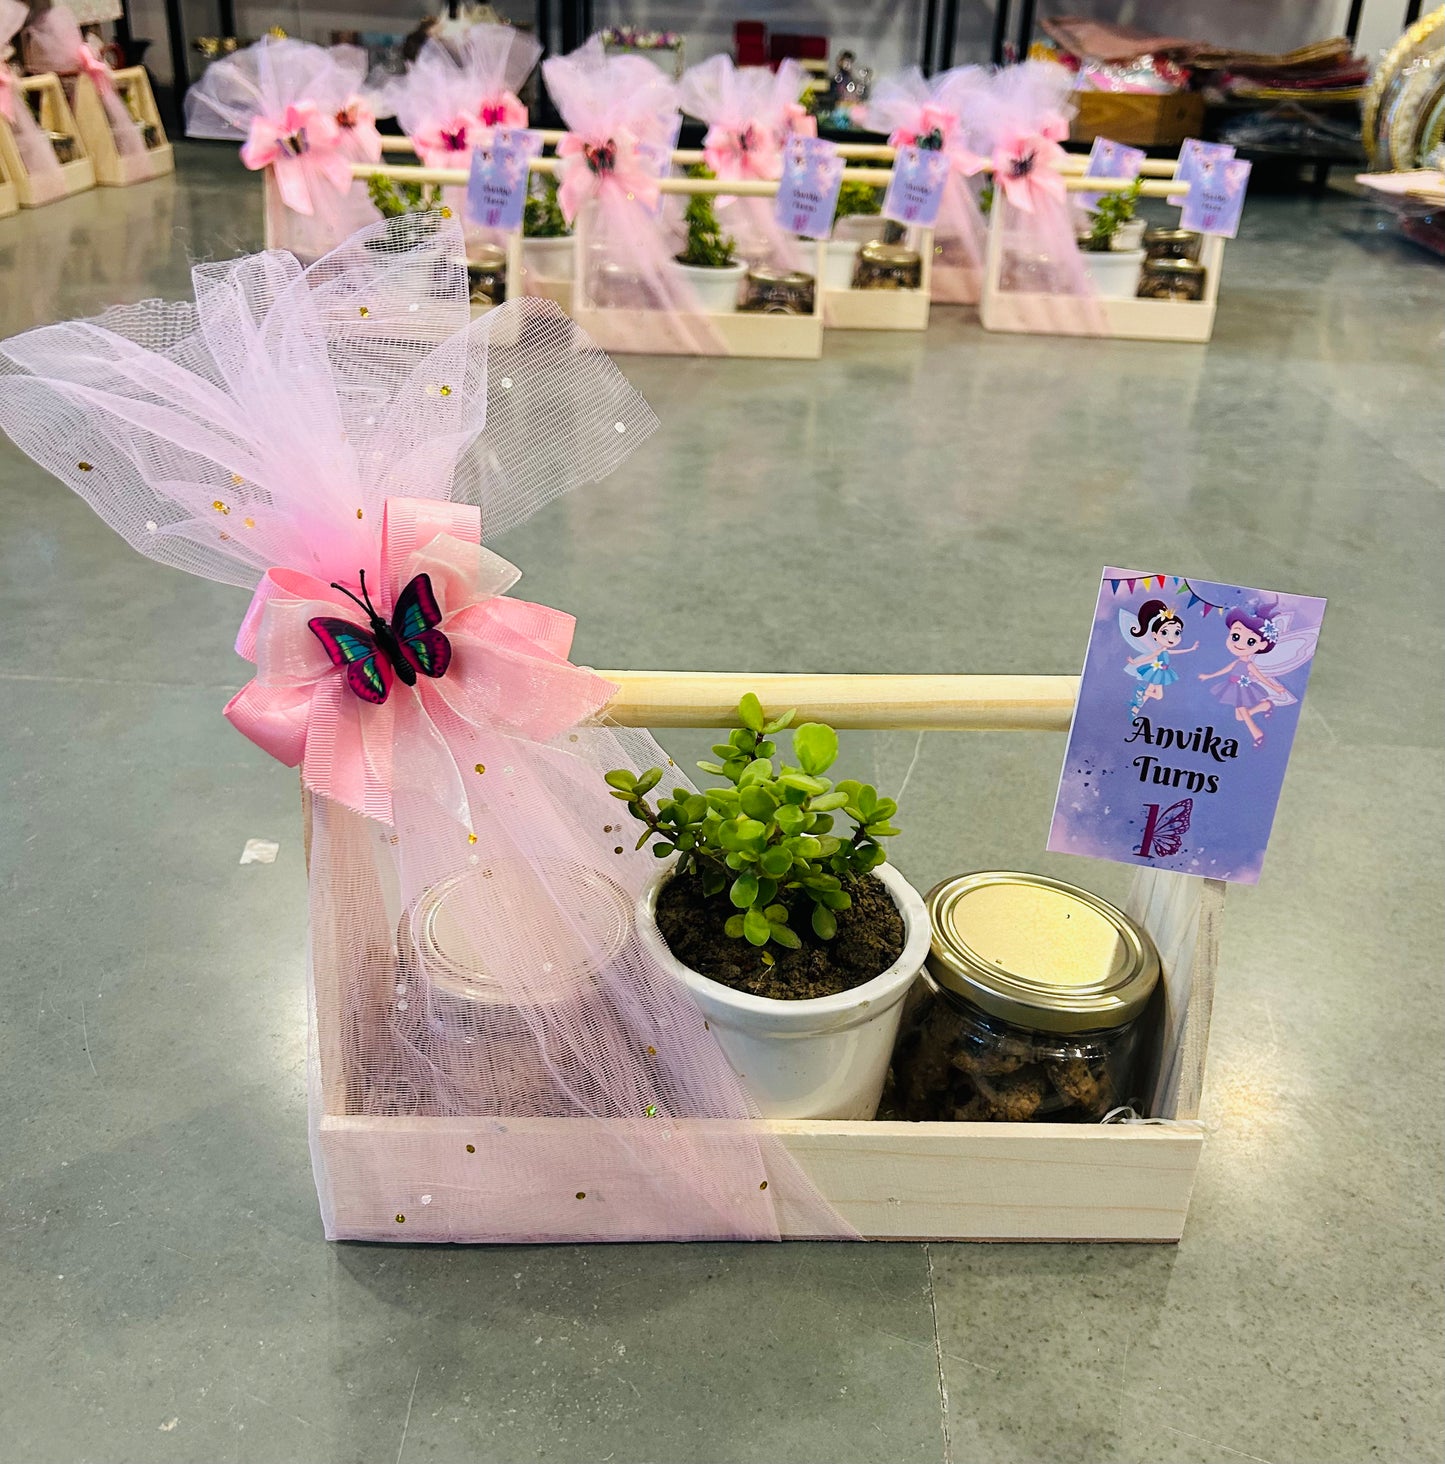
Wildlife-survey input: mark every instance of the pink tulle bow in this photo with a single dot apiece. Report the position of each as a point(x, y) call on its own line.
point(590, 166)
point(748, 152)
point(303, 147)
point(1026, 165)
point(506, 110)
point(449, 143)
point(509, 670)
point(95, 68)
point(359, 139)
point(938, 127)
point(799, 120)
point(7, 93)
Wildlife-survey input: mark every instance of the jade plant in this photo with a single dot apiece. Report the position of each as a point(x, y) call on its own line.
point(858, 200)
point(417, 205)
point(707, 246)
point(542, 218)
point(765, 840)
point(1109, 215)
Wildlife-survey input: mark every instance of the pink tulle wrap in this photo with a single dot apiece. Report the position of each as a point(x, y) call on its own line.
point(750, 112)
point(494, 1054)
point(622, 120)
point(54, 43)
point(300, 111)
point(1023, 122)
point(943, 113)
point(42, 167)
point(456, 92)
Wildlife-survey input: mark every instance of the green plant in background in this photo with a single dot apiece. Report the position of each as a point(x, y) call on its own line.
point(1109, 215)
point(707, 246)
point(394, 198)
point(985, 198)
point(542, 218)
point(765, 841)
point(855, 199)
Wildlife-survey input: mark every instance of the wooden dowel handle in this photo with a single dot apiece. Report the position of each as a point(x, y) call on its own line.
point(910, 703)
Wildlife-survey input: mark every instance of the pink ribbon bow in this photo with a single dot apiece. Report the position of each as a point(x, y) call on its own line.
point(95, 68)
point(303, 147)
point(509, 670)
point(799, 121)
point(748, 152)
point(506, 110)
point(938, 126)
point(448, 144)
point(1026, 165)
point(612, 163)
point(359, 139)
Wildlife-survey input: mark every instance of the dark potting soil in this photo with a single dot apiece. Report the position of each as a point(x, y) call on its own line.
point(868, 941)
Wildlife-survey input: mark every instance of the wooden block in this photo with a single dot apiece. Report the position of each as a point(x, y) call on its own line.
point(9, 198)
point(1139, 120)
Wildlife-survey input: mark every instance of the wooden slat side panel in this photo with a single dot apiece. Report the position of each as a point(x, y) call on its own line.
point(890, 1180)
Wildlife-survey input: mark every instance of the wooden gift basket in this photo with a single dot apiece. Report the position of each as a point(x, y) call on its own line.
point(45, 96)
point(1137, 319)
point(890, 1180)
point(114, 169)
point(9, 197)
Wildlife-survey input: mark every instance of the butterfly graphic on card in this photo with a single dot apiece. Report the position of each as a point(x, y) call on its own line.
point(409, 646)
point(1164, 832)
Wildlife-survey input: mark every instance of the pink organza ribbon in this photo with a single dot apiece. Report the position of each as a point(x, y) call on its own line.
point(359, 139)
point(613, 163)
point(799, 120)
point(304, 149)
point(506, 110)
point(748, 152)
point(1026, 164)
point(509, 670)
point(95, 68)
point(448, 144)
point(7, 93)
point(943, 123)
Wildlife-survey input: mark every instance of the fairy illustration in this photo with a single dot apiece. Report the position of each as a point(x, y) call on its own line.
point(1159, 627)
point(1253, 630)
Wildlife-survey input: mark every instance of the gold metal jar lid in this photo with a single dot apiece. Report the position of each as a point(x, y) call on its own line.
point(889, 256)
point(1039, 953)
point(487, 257)
point(788, 279)
point(1172, 236)
point(509, 932)
point(1189, 267)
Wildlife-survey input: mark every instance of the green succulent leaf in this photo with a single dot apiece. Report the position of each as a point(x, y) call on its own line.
point(744, 890)
point(790, 818)
point(716, 769)
point(778, 723)
point(825, 923)
point(783, 935)
point(734, 926)
point(756, 928)
point(750, 713)
point(757, 802)
point(776, 861)
point(827, 802)
point(621, 778)
point(815, 746)
point(805, 783)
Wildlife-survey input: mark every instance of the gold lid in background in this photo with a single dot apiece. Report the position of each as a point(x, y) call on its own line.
point(1039, 953)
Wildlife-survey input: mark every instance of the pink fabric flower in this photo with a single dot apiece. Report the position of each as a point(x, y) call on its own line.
point(615, 164)
point(303, 148)
point(509, 668)
point(505, 110)
point(1026, 167)
point(359, 140)
point(448, 142)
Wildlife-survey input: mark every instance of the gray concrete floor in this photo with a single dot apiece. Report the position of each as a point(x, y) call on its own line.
point(934, 503)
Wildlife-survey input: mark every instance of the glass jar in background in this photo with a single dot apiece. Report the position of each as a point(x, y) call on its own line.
point(1171, 279)
point(1030, 1006)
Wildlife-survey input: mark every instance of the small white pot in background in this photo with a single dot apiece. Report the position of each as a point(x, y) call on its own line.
point(550, 259)
point(826, 1057)
point(1128, 237)
point(1115, 274)
point(717, 288)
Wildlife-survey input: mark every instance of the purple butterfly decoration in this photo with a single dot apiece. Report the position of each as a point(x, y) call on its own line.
point(410, 645)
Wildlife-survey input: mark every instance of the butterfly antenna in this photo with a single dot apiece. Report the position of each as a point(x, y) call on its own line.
point(360, 604)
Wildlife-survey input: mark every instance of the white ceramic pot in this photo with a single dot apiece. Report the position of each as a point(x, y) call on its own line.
point(822, 1058)
point(1115, 274)
point(550, 259)
point(839, 262)
point(717, 288)
point(1128, 237)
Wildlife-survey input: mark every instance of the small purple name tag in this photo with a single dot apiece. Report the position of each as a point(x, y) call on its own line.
point(915, 186)
point(497, 186)
point(1183, 726)
point(808, 192)
point(1109, 159)
point(1216, 196)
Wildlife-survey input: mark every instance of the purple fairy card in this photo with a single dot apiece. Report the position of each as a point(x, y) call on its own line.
point(808, 192)
point(1183, 725)
point(1192, 151)
point(915, 186)
point(1110, 159)
point(1216, 196)
point(497, 186)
